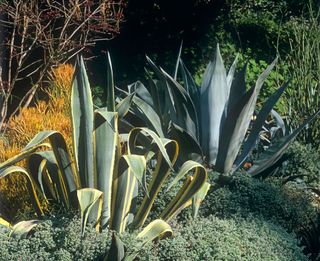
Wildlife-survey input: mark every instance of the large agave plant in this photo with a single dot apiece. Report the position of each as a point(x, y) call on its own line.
point(102, 177)
point(211, 120)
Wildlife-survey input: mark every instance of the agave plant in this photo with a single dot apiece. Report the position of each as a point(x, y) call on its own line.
point(102, 177)
point(212, 120)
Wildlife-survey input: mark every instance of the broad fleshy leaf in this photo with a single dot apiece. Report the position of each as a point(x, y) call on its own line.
point(258, 123)
point(82, 123)
point(22, 229)
point(30, 184)
point(90, 200)
point(236, 125)
point(190, 187)
point(276, 150)
point(106, 149)
point(214, 93)
point(198, 198)
point(159, 175)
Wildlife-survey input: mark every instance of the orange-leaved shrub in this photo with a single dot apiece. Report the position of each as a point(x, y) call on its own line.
point(53, 114)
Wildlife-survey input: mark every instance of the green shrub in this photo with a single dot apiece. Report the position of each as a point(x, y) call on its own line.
point(57, 238)
point(245, 195)
point(302, 161)
point(216, 239)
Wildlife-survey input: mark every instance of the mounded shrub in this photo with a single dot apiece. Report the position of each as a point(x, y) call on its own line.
point(244, 195)
point(57, 238)
point(302, 161)
point(231, 239)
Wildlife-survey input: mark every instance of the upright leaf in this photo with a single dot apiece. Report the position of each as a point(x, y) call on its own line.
point(276, 150)
point(90, 202)
point(106, 147)
point(236, 124)
point(258, 123)
point(82, 122)
point(214, 94)
point(110, 85)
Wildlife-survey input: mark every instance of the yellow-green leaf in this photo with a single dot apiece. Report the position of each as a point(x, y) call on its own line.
point(90, 202)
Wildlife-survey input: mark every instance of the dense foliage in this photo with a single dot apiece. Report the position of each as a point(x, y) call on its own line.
point(301, 164)
point(134, 154)
point(244, 196)
point(229, 239)
point(58, 238)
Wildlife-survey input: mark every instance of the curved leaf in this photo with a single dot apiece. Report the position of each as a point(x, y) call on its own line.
point(198, 198)
point(159, 175)
point(90, 202)
point(30, 183)
point(154, 138)
point(190, 187)
point(276, 150)
point(5, 223)
point(156, 229)
point(148, 114)
point(60, 150)
point(23, 228)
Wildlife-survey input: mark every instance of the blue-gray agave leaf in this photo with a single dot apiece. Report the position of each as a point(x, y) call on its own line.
point(214, 94)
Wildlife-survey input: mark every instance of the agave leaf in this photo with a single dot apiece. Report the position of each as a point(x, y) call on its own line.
point(276, 150)
point(60, 150)
point(175, 75)
point(238, 88)
point(110, 85)
point(156, 229)
point(82, 123)
point(192, 89)
point(25, 153)
point(116, 252)
point(214, 93)
point(198, 198)
point(236, 125)
point(232, 71)
point(90, 202)
point(138, 166)
point(189, 147)
point(36, 164)
point(279, 121)
point(182, 112)
point(123, 186)
point(167, 103)
point(22, 229)
point(157, 90)
point(155, 68)
point(124, 105)
point(144, 93)
point(43, 167)
point(190, 187)
point(188, 166)
point(258, 123)
point(106, 149)
point(30, 184)
point(159, 175)
point(154, 138)
point(5, 223)
point(148, 114)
